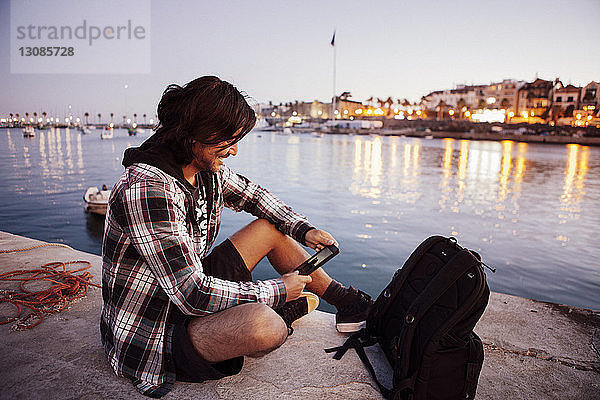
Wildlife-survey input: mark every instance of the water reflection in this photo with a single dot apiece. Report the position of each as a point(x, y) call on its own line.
point(95, 226)
point(574, 185)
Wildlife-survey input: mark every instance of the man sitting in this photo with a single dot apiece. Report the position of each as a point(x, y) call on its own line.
point(172, 310)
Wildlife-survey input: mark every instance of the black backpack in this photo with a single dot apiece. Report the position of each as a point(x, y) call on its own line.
point(423, 321)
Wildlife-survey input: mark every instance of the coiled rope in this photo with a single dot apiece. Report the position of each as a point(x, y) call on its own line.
point(65, 286)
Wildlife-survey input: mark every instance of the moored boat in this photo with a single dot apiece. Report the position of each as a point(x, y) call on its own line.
point(28, 131)
point(107, 134)
point(96, 200)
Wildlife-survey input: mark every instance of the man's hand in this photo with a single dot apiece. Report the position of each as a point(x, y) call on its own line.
point(317, 239)
point(294, 284)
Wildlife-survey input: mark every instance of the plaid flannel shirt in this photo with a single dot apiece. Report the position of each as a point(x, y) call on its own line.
point(157, 232)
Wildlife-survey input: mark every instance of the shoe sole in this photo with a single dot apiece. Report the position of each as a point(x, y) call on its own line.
point(312, 300)
point(349, 327)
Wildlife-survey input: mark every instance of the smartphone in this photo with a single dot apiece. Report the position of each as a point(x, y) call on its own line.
point(318, 259)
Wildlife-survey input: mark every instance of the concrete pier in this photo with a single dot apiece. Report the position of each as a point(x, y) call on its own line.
point(533, 350)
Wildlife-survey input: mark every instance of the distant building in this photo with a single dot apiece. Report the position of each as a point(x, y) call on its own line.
point(347, 108)
point(534, 98)
point(565, 100)
point(590, 98)
point(503, 95)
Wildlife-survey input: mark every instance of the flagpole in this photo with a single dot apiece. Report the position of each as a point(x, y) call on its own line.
point(333, 99)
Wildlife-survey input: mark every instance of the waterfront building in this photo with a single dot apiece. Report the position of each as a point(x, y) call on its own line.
point(534, 99)
point(590, 98)
point(565, 100)
point(503, 95)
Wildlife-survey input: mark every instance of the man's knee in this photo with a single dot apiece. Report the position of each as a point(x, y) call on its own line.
point(265, 225)
point(267, 329)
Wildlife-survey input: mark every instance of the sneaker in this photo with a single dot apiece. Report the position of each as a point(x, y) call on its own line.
point(296, 309)
point(352, 315)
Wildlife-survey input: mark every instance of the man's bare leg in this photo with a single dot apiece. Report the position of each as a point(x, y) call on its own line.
point(253, 329)
point(250, 329)
point(260, 238)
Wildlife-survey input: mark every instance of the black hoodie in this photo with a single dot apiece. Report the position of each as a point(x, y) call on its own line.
point(158, 154)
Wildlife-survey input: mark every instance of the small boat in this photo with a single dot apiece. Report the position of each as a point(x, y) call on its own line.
point(28, 131)
point(107, 134)
point(85, 130)
point(96, 200)
point(131, 131)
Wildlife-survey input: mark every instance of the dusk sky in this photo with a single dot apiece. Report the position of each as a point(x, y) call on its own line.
point(280, 51)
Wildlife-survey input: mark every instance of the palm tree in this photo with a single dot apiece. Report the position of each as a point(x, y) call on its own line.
point(111, 117)
point(460, 104)
point(86, 115)
point(135, 118)
point(35, 121)
point(99, 118)
point(27, 117)
point(441, 106)
point(144, 119)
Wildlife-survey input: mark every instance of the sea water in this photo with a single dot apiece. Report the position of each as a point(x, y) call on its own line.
point(531, 210)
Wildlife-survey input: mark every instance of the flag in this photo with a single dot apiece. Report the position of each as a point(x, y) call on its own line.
point(333, 39)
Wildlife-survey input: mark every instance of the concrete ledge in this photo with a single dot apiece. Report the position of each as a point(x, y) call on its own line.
point(534, 350)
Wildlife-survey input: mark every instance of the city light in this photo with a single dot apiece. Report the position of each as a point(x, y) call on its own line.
point(489, 116)
point(358, 111)
point(467, 114)
point(451, 112)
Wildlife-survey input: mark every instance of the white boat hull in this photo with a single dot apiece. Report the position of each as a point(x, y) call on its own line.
point(96, 201)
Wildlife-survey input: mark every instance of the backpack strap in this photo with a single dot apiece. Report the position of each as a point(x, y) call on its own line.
point(474, 363)
point(358, 341)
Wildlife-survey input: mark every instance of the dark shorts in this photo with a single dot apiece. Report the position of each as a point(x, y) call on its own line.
point(223, 262)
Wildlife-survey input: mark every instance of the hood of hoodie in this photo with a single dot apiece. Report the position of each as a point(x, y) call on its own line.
point(156, 153)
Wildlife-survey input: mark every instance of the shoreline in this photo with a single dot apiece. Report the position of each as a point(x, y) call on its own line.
point(493, 136)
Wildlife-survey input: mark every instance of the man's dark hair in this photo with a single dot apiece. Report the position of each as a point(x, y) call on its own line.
point(207, 110)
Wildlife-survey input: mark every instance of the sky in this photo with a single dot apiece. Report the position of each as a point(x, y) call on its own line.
point(280, 51)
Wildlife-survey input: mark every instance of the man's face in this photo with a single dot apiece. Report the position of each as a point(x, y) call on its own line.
point(210, 158)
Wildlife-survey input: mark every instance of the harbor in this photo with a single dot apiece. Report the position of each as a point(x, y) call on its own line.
point(532, 349)
point(138, 137)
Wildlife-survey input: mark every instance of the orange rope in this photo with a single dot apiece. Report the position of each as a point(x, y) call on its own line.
point(65, 285)
point(35, 247)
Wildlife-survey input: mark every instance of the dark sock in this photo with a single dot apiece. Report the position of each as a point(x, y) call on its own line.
point(334, 294)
